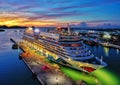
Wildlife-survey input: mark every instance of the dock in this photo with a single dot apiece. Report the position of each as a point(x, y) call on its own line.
point(42, 70)
point(110, 45)
point(45, 72)
point(16, 44)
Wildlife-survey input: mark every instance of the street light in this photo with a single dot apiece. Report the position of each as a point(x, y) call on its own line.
point(57, 80)
point(107, 36)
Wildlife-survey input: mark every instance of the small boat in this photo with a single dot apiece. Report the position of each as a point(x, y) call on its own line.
point(2, 30)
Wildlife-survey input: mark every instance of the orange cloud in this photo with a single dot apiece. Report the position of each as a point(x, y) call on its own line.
point(23, 19)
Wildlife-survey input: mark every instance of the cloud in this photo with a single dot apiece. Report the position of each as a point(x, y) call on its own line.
point(16, 12)
point(25, 7)
point(104, 21)
point(85, 5)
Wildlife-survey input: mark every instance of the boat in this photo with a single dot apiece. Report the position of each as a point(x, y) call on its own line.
point(2, 30)
point(92, 43)
point(64, 44)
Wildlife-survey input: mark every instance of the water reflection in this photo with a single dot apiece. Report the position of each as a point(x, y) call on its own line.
point(117, 51)
point(106, 50)
point(112, 57)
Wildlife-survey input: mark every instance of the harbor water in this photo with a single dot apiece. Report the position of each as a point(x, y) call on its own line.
point(14, 72)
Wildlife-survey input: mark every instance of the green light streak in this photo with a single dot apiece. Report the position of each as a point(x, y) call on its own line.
point(102, 76)
point(106, 77)
point(77, 75)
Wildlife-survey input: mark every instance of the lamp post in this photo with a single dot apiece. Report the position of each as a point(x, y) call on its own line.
point(57, 80)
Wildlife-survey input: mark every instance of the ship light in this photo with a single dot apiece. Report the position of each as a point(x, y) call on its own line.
point(36, 30)
point(107, 36)
point(30, 28)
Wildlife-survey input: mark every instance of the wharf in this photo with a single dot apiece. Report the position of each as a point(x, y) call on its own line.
point(16, 44)
point(110, 45)
point(46, 73)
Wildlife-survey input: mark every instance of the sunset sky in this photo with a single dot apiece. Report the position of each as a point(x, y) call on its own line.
point(54, 12)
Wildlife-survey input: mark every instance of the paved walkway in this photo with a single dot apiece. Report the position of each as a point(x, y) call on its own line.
point(49, 76)
point(110, 45)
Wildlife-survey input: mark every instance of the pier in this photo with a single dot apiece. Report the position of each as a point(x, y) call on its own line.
point(16, 45)
point(45, 72)
point(42, 70)
point(110, 45)
point(100, 43)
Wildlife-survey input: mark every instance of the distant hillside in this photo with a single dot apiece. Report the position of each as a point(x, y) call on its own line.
point(12, 27)
point(97, 29)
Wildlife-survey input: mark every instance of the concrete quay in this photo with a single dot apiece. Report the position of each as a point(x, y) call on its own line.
point(110, 45)
point(45, 72)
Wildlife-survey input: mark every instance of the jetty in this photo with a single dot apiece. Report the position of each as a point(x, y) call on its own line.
point(16, 45)
point(46, 73)
point(42, 70)
point(110, 45)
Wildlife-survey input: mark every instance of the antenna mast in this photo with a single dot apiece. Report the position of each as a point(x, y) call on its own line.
point(69, 32)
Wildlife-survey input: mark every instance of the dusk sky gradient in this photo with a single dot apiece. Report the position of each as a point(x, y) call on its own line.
point(54, 12)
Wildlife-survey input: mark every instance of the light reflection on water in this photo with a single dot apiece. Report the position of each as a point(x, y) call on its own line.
point(117, 51)
point(106, 50)
point(112, 57)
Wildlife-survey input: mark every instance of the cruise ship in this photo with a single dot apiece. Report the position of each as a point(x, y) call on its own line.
point(62, 43)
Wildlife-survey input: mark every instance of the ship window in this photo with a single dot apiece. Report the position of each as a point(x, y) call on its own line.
point(73, 45)
point(66, 44)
